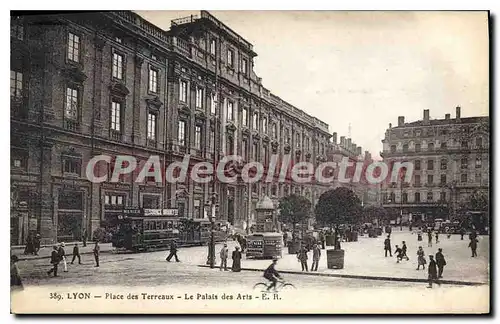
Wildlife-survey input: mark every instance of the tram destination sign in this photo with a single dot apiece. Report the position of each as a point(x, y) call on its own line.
point(161, 212)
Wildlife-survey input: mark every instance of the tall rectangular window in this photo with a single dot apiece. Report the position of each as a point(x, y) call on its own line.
point(417, 180)
point(213, 43)
point(443, 179)
point(116, 116)
point(197, 137)
point(430, 179)
point(151, 126)
point(255, 151)
point(244, 66)
point(72, 103)
point(255, 121)
point(430, 165)
point(16, 85)
point(264, 125)
point(244, 149)
point(199, 98)
point(73, 47)
point(230, 58)
point(417, 197)
point(230, 111)
point(244, 116)
point(463, 177)
point(297, 142)
point(211, 141)
point(117, 66)
point(417, 164)
point(275, 131)
point(153, 80)
point(417, 148)
point(183, 91)
point(181, 133)
point(213, 104)
point(479, 162)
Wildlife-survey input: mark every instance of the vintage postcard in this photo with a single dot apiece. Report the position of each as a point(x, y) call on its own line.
point(230, 162)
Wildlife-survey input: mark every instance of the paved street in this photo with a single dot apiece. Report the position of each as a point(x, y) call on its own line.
point(366, 258)
point(150, 273)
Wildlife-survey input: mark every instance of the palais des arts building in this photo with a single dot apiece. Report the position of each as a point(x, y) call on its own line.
point(113, 83)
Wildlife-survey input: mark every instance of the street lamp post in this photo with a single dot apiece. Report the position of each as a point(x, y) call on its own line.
point(211, 245)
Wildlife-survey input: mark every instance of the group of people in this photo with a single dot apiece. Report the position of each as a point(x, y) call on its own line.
point(32, 244)
point(58, 256)
point(435, 267)
point(236, 257)
point(302, 257)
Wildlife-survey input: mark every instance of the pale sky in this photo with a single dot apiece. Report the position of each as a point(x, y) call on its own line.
point(366, 68)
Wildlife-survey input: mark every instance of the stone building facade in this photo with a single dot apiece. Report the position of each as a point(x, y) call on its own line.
point(451, 161)
point(112, 83)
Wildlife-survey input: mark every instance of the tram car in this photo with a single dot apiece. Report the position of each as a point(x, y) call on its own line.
point(155, 229)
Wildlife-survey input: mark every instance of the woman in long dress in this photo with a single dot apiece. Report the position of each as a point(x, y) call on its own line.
point(421, 258)
point(236, 260)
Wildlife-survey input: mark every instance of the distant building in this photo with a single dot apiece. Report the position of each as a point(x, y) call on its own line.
point(451, 161)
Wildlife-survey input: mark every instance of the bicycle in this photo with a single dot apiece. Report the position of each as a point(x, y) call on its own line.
point(280, 286)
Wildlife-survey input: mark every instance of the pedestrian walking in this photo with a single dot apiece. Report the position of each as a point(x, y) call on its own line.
point(96, 251)
point(405, 250)
point(54, 260)
point(437, 237)
point(432, 271)
point(236, 267)
point(84, 237)
point(29, 245)
point(322, 237)
point(387, 246)
point(399, 254)
point(441, 262)
point(419, 235)
point(421, 258)
point(302, 256)
point(316, 256)
point(76, 254)
point(62, 256)
point(224, 254)
point(462, 233)
point(15, 277)
point(173, 252)
point(285, 238)
point(429, 238)
point(36, 243)
point(473, 246)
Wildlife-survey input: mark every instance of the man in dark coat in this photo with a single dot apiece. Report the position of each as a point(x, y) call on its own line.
point(285, 238)
point(15, 277)
point(405, 249)
point(272, 275)
point(441, 262)
point(316, 256)
point(432, 269)
point(36, 243)
point(236, 256)
point(302, 256)
point(29, 245)
point(473, 246)
point(462, 233)
point(322, 238)
point(173, 252)
point(429, 238)
point(54, 260)
point(97, 250)
point(76, 254)
point(387, 246)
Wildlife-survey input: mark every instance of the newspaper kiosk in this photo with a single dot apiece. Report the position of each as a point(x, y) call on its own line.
point(266, 242)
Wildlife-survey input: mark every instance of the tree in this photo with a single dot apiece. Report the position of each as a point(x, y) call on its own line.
point(336, 207)
point(371, 213)
point(477, 201)
point(294, 209)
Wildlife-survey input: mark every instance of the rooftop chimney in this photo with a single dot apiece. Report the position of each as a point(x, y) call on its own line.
point(447, 116)
point(353, 147)
point(426, 115)
point(348, 145)
point(359, 150)
point(342, 141)
point(390, 125)
point(458, 112)
point(334, 138)
point(367, 155)
point(401, 120)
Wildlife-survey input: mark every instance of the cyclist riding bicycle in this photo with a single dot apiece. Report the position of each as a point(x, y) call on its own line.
point(272, 275)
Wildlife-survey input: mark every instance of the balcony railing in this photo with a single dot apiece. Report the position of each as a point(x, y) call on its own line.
point(71, 125)
point(115, 136)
